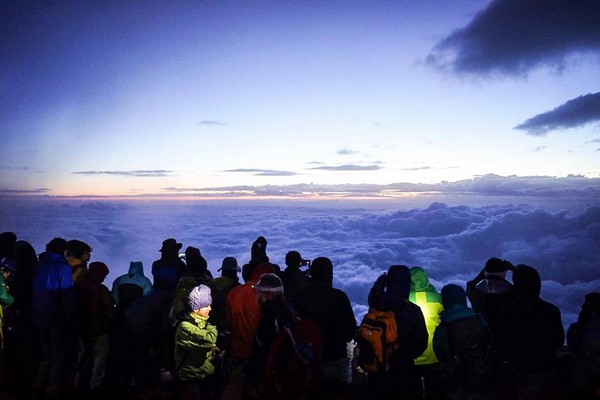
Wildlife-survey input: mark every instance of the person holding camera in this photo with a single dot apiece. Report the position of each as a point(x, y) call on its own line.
point(295, 280)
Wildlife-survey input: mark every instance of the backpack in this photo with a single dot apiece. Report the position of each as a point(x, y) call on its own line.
point(295, 355)
point(376, 339)
point(470, 346)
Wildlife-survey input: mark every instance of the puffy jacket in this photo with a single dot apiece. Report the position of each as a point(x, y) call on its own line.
point(423, 294)
point(53, 293)
point(134, 276)
point(195, 342)
point(243, 313)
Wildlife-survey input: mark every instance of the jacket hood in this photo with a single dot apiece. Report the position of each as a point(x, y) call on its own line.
point(452, 295)
point(398, 280)
point(527, 282)
point(419, 280)
point(136, 268)
point(259, 270)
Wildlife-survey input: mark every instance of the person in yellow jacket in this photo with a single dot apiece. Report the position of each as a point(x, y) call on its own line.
point(423, 294)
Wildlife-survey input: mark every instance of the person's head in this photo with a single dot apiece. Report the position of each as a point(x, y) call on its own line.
point(195, 263)
point(170, 248)
point(57, 245)
point(399, 280)
point(98, 271)
point(453, 294)
point(269, 287)
point(258, 251)
point(321, 271)
point(25, 255)
point(78, 249)
point(7, 270)
point(527, 282)
point(293, 259)
point(8, 241)
point(230, 267)
point(199, 301)
point(498, 267)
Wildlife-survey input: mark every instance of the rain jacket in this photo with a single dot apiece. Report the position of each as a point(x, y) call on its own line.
point(135, 276)
point(423, 294)
point(53, 293)
point(95, 306)
point(6, 300)
point(243, 313)
point(223, 285)
point(195, 343)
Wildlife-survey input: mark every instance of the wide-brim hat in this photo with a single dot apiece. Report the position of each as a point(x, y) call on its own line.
point(170, 244)
point(230, 264)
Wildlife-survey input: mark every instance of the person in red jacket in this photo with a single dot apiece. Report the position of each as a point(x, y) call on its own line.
point(243, 313)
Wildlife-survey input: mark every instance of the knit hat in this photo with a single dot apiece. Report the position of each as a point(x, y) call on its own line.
point(269, 283)
point(230, 264)
point(199, 297)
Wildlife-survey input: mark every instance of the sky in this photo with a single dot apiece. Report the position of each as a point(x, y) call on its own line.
point(298, 98)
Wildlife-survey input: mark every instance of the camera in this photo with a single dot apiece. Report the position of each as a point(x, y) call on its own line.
point(306, 263)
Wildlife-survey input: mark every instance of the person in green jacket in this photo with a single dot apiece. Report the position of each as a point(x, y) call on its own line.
point(6, 299)
point(195, 346)
point(423, 294)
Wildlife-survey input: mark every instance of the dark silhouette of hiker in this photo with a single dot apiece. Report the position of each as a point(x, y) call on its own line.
point(331, 310)
point(390, 293)
point(169, 268)
point(258, 255)
point(490, 291)
point(222, 286)
point(53, 313)
point(78, 255)
point(295, 281)
point(530, 332)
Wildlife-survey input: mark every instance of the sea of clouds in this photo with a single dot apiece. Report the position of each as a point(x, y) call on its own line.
point(452, 242)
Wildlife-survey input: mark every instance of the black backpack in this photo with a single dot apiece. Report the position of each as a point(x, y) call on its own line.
point(470, 346)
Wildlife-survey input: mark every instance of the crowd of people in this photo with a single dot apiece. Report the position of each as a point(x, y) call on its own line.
point(280, 333)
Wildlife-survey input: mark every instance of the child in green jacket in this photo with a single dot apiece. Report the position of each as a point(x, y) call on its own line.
point(195, 345)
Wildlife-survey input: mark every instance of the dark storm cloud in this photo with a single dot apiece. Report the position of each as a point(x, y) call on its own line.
point(451, 242)
point(510, 37)
point(153, 173)
point(348, 167)
point(574, 113)
point(212, 123)
point(262, 172)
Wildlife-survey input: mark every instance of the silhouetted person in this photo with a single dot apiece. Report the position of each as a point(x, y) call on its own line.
point(583, 339)
point(6, 300)
point(8, 241)
point(258, 255)
point(390, 293)
point(295, 281)
point(222, 286)
point(78, 256)
point(530, 332)
point(490, 291)
point(169, 268)
point(130, 286)
point(95, 314)
point(423, 294)
point(331, 310)
point(53, 312)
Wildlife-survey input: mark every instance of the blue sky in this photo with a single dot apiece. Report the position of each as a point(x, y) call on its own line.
point(204, 97)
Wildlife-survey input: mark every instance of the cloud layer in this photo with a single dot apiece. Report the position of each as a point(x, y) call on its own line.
point(451, 242)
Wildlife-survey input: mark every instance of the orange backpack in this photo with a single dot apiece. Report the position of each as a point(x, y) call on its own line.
point(376, 339)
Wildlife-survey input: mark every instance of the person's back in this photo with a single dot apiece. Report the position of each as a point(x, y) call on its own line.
point(390, 293)
point(462, 344)
point(295, 281)
point(222, 286)
point(489, 292)
point(331, 310)
point(530, 330)
point(167, 270)
point(131, 285)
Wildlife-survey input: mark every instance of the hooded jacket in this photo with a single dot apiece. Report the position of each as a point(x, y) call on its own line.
point(95, 306)
point(243, 313)
point(530, 330)
point(390, 293)
point(135, 276)
point(423, 294)
point(53, 293)
point(195, 343)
